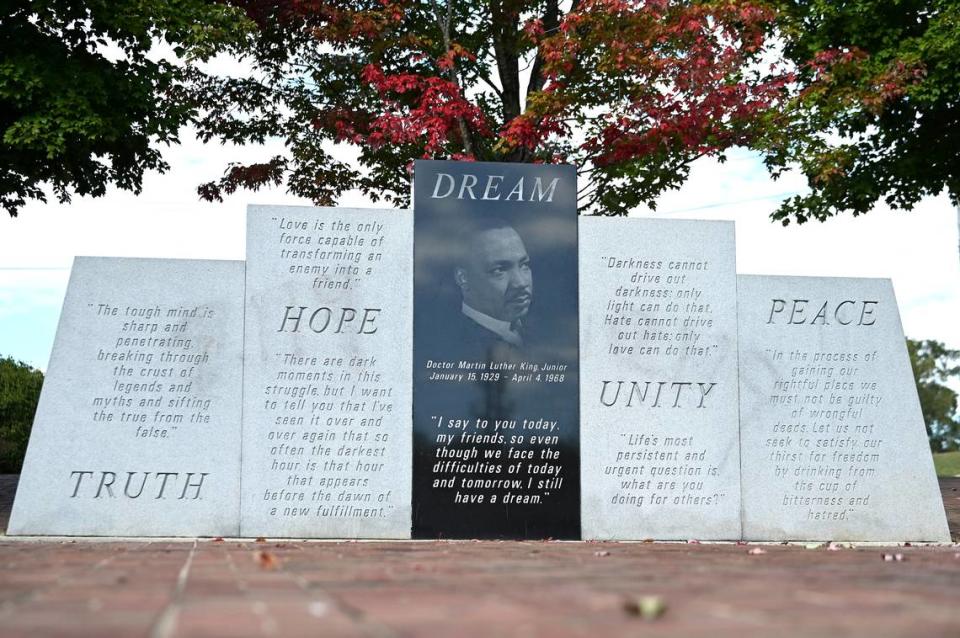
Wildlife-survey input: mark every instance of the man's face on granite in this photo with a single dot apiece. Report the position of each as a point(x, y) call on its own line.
point(495, 277)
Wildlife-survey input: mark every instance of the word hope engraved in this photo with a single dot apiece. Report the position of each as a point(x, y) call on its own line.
point(321, 319)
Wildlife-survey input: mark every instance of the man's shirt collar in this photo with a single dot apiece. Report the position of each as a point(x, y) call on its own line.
point(500, 328)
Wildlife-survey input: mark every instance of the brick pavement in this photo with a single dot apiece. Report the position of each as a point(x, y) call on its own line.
point(210, 588)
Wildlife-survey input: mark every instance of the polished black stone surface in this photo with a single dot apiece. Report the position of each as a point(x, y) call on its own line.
point(496, 387)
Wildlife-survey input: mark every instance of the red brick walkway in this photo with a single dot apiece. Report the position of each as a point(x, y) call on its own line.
point(85, 588)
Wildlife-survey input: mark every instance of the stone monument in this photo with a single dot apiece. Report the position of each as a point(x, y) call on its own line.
point(488, 367)
point(326, 402)
point(496, 374)
point(833, 445)
point(137, 432)
point(658, 343)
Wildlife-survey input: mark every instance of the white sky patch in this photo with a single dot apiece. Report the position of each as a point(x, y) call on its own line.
point(30, 302)
point(917, 250)
point(23, 290)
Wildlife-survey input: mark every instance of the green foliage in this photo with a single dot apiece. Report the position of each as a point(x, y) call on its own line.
point(878, 115)
point(947, 463)
point(19, 392)
point(85, 97)
point(933, 366)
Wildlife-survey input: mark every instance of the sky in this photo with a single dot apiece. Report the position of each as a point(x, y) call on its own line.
point(918, 250)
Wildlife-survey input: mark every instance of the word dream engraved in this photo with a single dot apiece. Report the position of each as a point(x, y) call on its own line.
point(833, 442)
point(326, 419)
point(137, 431)
point(659, 380)
point(496, 375)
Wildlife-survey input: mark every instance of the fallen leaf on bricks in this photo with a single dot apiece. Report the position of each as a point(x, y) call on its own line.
point(757, 551)
point(646, 607)
point(318, 609)
point(266, 560)
point(601, 553)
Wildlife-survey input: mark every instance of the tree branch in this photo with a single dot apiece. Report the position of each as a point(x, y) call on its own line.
point(551, 21)
point(444, 23)
point(505, 27)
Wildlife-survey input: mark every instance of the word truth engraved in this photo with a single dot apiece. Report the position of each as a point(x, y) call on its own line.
point(131, 489)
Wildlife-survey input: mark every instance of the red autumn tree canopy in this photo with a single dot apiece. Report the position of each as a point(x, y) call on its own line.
point(629, 91)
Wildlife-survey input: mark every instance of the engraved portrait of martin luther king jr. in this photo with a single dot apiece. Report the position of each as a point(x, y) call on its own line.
point(492, 270)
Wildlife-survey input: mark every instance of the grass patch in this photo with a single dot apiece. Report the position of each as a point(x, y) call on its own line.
point(947, 463)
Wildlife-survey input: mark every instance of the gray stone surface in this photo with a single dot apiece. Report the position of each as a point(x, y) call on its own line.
point(659, 432)
point(138, 428)
point(833, 442)
point(327, 376)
